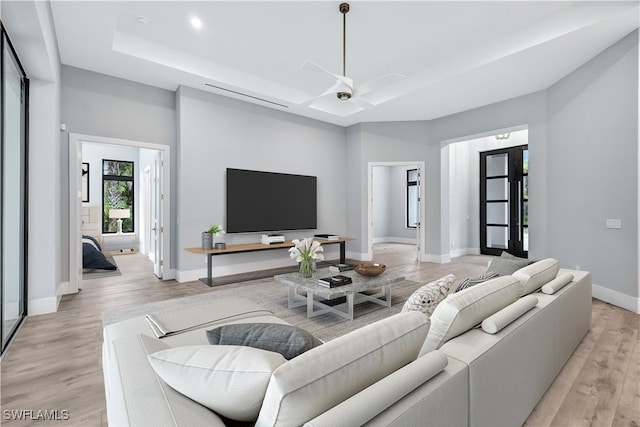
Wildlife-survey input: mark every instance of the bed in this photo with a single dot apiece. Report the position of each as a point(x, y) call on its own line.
point(92, 256)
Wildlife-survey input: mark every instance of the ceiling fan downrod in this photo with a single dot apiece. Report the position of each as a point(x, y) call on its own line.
point(344, 9)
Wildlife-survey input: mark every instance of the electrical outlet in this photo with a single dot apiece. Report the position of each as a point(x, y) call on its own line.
point(453, 244)
point(577, 267)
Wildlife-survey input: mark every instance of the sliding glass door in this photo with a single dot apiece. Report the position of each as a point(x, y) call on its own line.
point(13, 191)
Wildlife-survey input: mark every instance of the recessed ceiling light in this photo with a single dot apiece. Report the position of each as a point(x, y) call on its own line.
point(142, 20)
point(196, 22)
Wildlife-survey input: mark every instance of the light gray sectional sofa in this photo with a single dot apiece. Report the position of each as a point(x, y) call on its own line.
point(484, 358)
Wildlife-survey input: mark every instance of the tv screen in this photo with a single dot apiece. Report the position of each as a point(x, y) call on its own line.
point(268, 201)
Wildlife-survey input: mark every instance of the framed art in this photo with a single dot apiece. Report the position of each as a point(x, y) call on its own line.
point(85, 182)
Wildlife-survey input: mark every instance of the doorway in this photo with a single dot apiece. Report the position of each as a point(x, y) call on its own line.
point(504, 201)
point(158, 230)
point(396, 205)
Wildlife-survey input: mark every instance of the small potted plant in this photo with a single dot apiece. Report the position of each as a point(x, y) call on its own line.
point(207, 236)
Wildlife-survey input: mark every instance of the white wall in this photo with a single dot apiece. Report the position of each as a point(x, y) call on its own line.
point(100, 105)
point(31, 29)
point(215, 133)
point(592, 166)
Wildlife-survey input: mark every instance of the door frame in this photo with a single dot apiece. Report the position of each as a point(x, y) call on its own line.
point(75, 202)
point(422, 194)
point(515, 225)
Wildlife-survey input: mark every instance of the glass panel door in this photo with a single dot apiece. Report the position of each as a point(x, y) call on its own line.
point(12, 191)
point(504, 201)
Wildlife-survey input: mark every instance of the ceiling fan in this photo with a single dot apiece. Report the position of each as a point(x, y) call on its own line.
point(344, 88)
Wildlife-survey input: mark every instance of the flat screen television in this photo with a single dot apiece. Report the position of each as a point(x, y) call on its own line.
point(268, 201)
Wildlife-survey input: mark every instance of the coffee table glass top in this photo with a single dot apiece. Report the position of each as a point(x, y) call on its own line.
point(360, 283)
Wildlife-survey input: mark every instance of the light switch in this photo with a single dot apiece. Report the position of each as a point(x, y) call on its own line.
point(614, 223)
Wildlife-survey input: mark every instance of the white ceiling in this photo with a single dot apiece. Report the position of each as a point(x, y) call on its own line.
point(455, 55)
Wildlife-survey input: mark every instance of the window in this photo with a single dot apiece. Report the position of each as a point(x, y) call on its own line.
point(412, 198)
point(117, 193)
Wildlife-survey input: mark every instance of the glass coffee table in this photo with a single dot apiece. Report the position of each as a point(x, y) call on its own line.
point(306, 291)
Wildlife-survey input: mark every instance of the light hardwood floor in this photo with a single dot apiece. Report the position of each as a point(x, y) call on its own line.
point(55, 361)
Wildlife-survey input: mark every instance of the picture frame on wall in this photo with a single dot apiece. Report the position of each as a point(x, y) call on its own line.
point(85, 182)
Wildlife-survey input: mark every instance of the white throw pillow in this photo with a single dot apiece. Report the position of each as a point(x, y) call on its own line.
point(426, 298)
point(230, 380)
point(463, 310)
point(534, 276)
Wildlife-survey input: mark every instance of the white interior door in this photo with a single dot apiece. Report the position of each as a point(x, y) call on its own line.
point(157, 215)
point(418, 221)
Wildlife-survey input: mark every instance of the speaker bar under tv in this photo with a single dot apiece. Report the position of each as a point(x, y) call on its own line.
point(268, 201)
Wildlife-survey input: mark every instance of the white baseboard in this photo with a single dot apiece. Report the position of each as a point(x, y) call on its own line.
point(64, 289)
point(438, 259)
point(616, 298)
point(42, 306)
point(390, 239)
point(464, 251)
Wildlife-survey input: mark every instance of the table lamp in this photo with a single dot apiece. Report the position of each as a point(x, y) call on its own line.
point(119, 214)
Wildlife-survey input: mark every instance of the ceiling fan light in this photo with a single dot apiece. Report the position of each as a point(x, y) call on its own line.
point(343, 96)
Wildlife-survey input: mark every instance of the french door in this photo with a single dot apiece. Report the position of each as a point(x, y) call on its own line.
point(504, 201)
point(14, 95)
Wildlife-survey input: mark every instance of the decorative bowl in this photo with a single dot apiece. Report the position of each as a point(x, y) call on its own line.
point(369, 269)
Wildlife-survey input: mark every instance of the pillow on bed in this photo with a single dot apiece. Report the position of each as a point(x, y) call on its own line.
point(93, 258)
point(93, 239)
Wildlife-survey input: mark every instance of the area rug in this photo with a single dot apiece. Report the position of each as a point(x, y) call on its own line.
point(273, 296)
point(97, 273)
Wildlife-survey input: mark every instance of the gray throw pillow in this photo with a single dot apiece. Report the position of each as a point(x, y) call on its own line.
point(289, 341)
point(506, 266)
point(472, 281)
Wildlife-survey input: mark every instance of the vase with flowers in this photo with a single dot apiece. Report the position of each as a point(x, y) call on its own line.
point(306, 252)
point(207, 236)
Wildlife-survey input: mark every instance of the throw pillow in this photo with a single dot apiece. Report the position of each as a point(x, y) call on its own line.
point(507, 265)
point(426, 298)
point(229, 380)
point(287, 340)
point(472, 281)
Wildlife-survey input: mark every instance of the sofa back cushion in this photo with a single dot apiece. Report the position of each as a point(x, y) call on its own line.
point(534, 276)
point(324, 376)
point(463, 310)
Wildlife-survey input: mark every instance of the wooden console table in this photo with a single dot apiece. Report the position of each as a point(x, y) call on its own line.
point(254, 247)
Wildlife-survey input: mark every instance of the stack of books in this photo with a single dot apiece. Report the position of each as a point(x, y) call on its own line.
point(326, 236)
point(337, 268)
point(334, 281)
point(270, 239)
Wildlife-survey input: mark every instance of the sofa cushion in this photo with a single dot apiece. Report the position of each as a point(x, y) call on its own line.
point(534, 276)
point(230, 380)
point(324, 376)
point(147, 400)
point(556, 284)
point(463, 310)
point(426, 298)
point(290, 341)
point(498, 321)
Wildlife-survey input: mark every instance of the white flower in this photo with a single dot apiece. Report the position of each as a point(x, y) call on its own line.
point(306, 249)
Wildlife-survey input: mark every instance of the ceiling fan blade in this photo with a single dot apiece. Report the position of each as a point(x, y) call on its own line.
point(361, 102)
point(312, 66)
point(379, 83)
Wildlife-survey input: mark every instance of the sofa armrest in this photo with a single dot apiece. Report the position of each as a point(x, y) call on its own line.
point(368, 403)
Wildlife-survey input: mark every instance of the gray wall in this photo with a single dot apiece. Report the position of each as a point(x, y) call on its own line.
point(592, 166)
point(100, 105)
point(217, 132)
